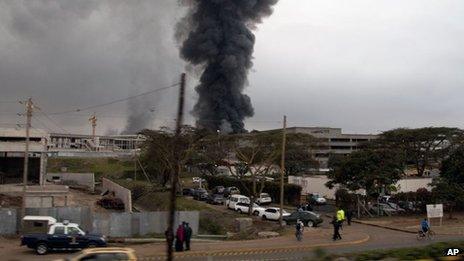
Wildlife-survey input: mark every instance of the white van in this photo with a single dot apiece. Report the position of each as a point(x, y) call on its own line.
point(234, 199)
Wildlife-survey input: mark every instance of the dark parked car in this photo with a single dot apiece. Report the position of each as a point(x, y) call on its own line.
point(231, 191)
point(408, 206)
point(218, 190)
point(111, 203)
point(308, 218)
point(215, 199)
point(188, 191)
point(200, 194)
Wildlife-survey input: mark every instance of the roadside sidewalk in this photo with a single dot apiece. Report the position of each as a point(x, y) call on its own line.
point(311, 239)
point(411, 225)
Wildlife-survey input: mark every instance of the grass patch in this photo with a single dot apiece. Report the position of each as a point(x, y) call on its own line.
point(212, 221)
point(433, 251)
point(159, 201)
point(210, 226)
point(102, 167)
point(138, 188)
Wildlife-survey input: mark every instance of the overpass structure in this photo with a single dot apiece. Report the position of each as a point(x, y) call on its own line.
point(43, 144)
point(12, 147)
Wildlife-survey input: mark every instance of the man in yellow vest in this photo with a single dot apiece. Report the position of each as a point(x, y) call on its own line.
point(340, 216)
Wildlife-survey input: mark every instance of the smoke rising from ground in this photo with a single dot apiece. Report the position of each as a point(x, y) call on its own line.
point(217, 36)
point(68, 54)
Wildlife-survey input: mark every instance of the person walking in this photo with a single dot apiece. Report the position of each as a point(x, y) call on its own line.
point(187, 235)
point(299, 226)
point(349, 216)
point(180, 238)
point(336, 225)
point(340, 217)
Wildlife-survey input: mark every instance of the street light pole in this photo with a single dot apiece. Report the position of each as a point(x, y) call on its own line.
point(282, 170)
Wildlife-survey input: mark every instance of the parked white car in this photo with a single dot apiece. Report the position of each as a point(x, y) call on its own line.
point(234, 199)
point(318, 199)
point(245, 208)
point(272, 213)
point(264, 198)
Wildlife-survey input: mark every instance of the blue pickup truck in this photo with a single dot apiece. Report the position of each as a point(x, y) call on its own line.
point(62, 236)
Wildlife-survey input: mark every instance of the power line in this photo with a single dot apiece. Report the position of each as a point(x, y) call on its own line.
point(43, 124)
point(53, 121)
point(115, 101)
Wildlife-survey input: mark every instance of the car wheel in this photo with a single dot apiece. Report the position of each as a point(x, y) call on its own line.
point(256, 213)
point(309, 223)
point(41, 249)
point(239, 211)
point(264, 217)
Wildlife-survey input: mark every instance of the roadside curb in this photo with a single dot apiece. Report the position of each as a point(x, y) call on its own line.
point(155, 240)
point(254, 251)
point(375, 225)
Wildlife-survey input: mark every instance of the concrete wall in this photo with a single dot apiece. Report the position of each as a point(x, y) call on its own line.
point(39, 201)
point(120, 192)
point(316, 185)
point(413, 184)
point(140, 224)
point(109, 224)
point(82, 179)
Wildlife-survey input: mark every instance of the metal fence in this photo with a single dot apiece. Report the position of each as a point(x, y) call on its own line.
point(113, 224)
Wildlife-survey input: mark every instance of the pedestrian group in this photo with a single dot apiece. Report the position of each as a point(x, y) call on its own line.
point(183, 236)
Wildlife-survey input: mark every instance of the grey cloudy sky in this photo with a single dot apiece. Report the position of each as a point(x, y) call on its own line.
point(364, 66)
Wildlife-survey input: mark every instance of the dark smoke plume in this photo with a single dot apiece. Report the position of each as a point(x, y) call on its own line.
point(220, 40)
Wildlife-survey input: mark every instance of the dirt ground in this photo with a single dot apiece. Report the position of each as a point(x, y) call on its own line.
point(9, 201)
point(453, 226)
point(79, 198)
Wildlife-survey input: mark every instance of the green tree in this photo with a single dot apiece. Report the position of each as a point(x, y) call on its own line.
point(299, 154)
point(255, 154)
point(422, 147)
point(449, 187)
point(370, 169)
point(160, 149)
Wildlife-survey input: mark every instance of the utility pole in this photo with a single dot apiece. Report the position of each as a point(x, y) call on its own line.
point(29, 108)
point(175, 176)
point(135, 164)
point(282, 169)
point(93, 121)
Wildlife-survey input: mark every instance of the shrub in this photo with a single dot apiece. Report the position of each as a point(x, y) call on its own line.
point(210, 226)
point(345, 199)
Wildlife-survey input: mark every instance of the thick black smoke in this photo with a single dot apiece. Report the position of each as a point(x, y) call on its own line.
point(220, 39)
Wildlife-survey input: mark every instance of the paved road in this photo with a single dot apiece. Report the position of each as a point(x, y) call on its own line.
point(379, 238)
point(356, 238)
